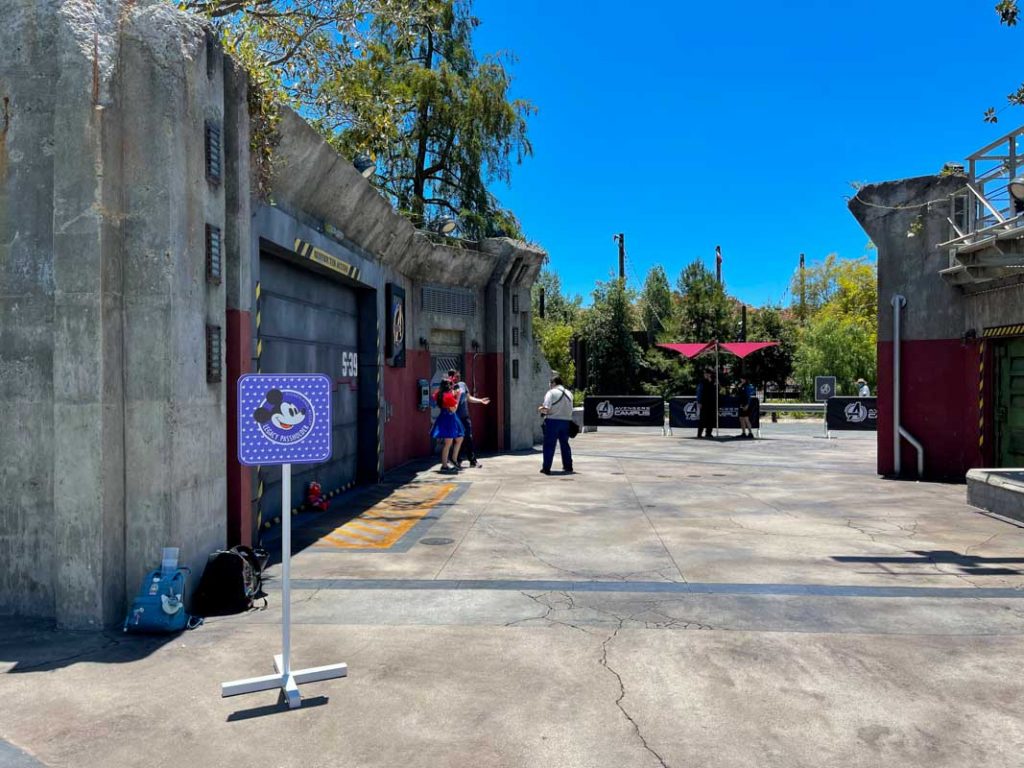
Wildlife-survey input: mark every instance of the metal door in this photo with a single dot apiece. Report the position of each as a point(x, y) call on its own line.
point(442, 363)
point(1010, 404)
point(309, 324)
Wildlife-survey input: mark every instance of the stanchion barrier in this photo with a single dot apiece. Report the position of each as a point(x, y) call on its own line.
point(623, 411)
point(851, 414)
point(684, 413)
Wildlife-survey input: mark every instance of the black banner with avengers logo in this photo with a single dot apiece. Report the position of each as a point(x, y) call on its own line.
point(851, 413)
point(683, 413)
point(624, 411)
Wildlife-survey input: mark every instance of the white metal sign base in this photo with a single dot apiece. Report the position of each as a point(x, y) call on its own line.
point(287, 679)
point(289, 684)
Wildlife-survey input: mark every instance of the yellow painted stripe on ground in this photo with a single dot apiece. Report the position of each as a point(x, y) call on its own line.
point(346, 538)
point(372, 530)
point(387, 520)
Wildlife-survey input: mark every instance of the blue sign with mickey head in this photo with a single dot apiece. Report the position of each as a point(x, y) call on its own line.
point(284, 418)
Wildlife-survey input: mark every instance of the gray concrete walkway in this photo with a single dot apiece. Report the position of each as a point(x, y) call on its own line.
point(675, 603)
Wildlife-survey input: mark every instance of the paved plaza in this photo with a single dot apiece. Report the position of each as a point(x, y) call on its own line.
point(674, 603)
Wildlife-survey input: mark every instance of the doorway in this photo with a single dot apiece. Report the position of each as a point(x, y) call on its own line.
point(1009, 419)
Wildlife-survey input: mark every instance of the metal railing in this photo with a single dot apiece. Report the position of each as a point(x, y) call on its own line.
point(983, 214)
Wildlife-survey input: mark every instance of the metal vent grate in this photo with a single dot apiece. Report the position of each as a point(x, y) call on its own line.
point(449, 301)
point(515, 337)
point(515, 369)
point(213, 356)
point(214, 162)
point(213, 254)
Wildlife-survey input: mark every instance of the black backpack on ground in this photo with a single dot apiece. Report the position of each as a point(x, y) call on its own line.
point(231, 581)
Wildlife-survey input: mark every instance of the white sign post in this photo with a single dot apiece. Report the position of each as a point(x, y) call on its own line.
point(284, 419)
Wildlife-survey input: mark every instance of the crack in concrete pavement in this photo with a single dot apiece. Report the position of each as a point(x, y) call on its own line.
point(622, 695)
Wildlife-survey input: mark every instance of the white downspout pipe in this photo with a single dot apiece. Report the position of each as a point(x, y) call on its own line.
point(898, 302)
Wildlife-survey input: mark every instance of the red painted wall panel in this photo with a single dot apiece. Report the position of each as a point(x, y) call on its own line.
point(407, 433)
point(939, 407)
point(239, 479)
point(483, 374)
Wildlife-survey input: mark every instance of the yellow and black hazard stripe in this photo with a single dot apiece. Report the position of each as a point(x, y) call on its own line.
point(323, 258)
point(981, 397)
point(1001, 331)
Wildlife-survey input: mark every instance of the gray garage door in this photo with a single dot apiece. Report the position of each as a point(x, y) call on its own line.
point(309, 324)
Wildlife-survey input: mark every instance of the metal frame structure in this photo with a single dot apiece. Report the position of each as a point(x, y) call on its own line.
point(988, 241)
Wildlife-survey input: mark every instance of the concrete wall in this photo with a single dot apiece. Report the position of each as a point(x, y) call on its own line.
point(104, 206)
point(174, 436)
point(123, 446)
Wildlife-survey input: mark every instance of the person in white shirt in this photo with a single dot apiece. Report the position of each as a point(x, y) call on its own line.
point(557, 410)
point(863, 390)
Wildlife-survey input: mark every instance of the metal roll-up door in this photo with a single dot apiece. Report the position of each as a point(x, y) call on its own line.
point(309, 324)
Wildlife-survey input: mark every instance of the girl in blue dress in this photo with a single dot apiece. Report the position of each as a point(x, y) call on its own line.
point(447, 426)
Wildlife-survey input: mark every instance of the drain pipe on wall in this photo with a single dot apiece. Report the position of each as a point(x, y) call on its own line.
point(898, 302)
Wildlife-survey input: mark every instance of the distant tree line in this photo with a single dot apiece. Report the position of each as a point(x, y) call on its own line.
point(829, 328)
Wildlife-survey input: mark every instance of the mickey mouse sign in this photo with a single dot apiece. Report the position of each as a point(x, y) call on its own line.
point(284, 419)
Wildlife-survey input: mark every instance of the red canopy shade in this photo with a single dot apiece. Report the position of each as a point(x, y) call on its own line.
point(687, 350)
point(743, 348)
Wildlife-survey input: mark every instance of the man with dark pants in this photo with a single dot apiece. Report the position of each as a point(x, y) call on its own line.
point(706, 401)
point(557, 410)
point(462, 411)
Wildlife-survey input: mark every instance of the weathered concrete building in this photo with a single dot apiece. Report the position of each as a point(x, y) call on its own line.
point(139, 277)
point(951, 263)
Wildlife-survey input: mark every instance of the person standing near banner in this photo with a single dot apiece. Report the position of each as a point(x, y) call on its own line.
point(747, 393)
point(462, 411)
point(557, 410)
point(706, 401)
point(863, 390)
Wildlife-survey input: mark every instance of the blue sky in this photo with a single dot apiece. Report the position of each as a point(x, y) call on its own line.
point(686, 125)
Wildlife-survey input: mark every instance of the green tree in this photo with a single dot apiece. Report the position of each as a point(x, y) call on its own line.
point(398, 79)
point(773, 365)
point(666, 374)
point(557, 306)
point(655, 304)
point(837, 346)
point(816, 286)
point(705, 311)
point(555, 340)
point(840, 337)
point(613, 357)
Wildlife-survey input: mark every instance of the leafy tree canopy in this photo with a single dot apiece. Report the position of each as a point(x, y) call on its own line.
point(557, 306)
point(655, 305)
point(613, 357)
point(397, 79)
point(705, 311)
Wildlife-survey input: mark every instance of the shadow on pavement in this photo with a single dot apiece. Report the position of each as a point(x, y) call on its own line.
point(971, 565)
point(272, 709)
point(35, 645)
